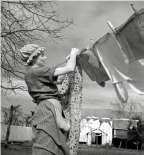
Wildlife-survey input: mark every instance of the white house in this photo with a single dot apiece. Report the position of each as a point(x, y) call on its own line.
point(94, 130)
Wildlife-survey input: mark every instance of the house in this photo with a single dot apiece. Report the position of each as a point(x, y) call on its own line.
point(96, 131)
point(17, 133)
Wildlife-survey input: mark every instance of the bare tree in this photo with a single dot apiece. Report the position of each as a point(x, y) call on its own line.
point(129, 109)
point(23, 22)
point(17, 115)
point(14, 116)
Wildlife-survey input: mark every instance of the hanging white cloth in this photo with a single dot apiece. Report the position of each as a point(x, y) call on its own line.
point(116, 64)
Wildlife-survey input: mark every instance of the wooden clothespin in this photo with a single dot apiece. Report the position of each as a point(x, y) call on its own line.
point(111, 26)
point(133, 8)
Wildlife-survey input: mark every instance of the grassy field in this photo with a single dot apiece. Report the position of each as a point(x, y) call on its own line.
point(16, 149)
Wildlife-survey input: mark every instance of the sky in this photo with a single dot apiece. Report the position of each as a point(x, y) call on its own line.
point(90, 23)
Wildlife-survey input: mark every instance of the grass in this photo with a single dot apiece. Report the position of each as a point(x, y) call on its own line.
point(25, 149)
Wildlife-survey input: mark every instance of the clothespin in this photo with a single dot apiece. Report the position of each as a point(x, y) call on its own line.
point(133, 8)
point(90, 45)
point(111, 26)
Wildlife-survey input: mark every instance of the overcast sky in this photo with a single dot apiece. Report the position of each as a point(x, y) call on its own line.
point(90, 23)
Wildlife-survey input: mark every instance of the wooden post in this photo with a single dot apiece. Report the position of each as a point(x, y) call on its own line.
point(9, 125)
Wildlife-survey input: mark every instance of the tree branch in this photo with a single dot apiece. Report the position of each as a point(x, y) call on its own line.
point(14, 88)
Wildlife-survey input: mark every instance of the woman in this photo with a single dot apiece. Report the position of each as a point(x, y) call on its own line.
point(48, 124)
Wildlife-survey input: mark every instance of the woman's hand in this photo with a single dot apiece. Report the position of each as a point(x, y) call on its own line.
point(67, 57)
point(70, 64)
point(75, 51)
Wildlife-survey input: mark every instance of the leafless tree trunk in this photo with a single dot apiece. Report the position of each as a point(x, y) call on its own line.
point(9, 124)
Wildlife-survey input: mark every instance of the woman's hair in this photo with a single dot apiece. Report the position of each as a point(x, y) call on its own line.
point(30, 53)
point(33, 60)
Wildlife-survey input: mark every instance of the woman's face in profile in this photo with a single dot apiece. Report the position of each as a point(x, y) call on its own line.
point(41, 60)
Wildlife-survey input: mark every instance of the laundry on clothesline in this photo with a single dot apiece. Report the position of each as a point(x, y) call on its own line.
point(122, 54)
point(131, 36)
point(92, 66)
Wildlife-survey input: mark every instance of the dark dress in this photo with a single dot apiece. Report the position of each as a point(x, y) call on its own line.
point(49, 139)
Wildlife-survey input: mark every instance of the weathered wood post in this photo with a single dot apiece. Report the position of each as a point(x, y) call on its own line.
point(9, 125)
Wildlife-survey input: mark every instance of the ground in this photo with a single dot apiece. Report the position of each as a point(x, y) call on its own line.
point(25, 149)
